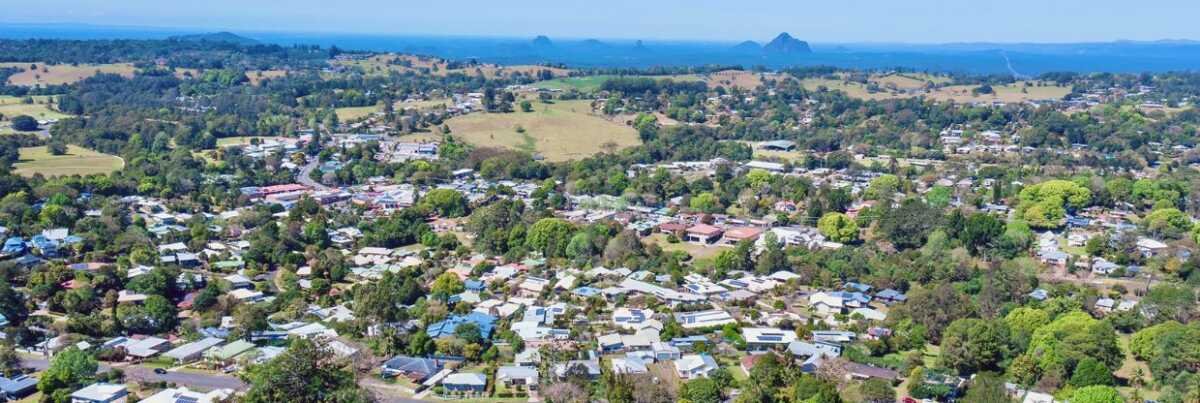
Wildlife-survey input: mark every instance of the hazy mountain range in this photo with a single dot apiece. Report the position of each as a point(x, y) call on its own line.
point(781, 51)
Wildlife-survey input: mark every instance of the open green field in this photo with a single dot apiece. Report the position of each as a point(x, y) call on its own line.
point(77, 161)
point(592, 83)
point(359, 112)
point(15, 106)
point(63, 73)
point(240, 140)
point(896, 86)
point(560, 131)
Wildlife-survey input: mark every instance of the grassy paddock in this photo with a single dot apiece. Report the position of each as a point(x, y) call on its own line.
point(560, 131)
point(77, 161)
point(63, 73)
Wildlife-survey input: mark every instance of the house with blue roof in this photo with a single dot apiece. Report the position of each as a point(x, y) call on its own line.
point(14, 246)
point(445, 328)
point(474, 285)
point(44, 246)
point(18, 387)
point(586, 292)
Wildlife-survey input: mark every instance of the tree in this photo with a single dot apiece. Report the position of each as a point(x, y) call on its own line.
point(1169, 222)
point(12, 303)
point(1096, 394)
point(705, 202)
point(56, 147)
point(1072, 337)
point(24, 123)
point(526, 106)
point(550, 236)
point(876, 390)
point(445, 202)
point(987, 387)
point(838, 227)
point(882, 188)
point(702, 390)
point(1167, 301)
point(909, 225)
point(1044, 205)
point(307, 371)
point(10, 362)
point(939, 196)
point(934, 308)
point(446, 285)
point(980, 230)
point(1091, 372)
point(70, 370)
point(972, 345)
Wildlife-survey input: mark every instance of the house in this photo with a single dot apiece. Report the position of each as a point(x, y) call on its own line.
point(763, 338)
point(628, 365)
point(703, 233)
point(183, 395)
point(694, 366)
point(465, 382)
point(589, 368)
point(101, 393)
point(634, 319)
point(890, 296)
point(1150, 247)
point(225, 354)
point(804, 349)
point(519, 376)
point(528, 357)
point(704, 319)
point(778, 145)
point(833, 336)
point(18, 387)
point(486, 323)
point(665, 351)
point(739, 234)
point(193, 351)
point(413, 368)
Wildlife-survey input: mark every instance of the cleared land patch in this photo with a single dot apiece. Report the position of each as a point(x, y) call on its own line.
point(14, 106)
point(383, 64)
point(77, 161)
point(896, 86)
point(560, 131)
point(46, 74)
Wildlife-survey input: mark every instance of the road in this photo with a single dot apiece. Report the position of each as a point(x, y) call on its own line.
point(304, 176)
point(146, 374)
point(198, 381)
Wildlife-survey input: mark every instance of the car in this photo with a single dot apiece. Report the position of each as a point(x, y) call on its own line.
point(160, 371)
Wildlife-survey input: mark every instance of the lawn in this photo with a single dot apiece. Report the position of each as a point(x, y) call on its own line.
point(355, 112)
point(559, 132)
point(77, 161)
point(698, 252)
point(62, 73)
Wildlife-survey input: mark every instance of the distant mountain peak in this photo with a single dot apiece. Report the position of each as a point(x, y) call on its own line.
point(786, 44)
point(593, 43)
point(225, 37)
point(748, 46)
point(542, 41)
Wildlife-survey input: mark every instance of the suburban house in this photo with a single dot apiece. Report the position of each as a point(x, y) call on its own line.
point(101, 393)
point(413, 368)
point(763, 338)
point(517, 376)
point(465, 383)
point(694, 366)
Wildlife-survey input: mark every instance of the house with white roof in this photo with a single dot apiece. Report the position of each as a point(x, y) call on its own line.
point(694, 366)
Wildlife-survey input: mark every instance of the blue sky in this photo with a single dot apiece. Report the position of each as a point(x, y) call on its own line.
point(924, 21)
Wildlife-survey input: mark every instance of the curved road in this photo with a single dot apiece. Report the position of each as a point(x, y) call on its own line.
point(303, 177)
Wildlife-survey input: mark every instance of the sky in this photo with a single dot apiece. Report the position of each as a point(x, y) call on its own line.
point(828, 21)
